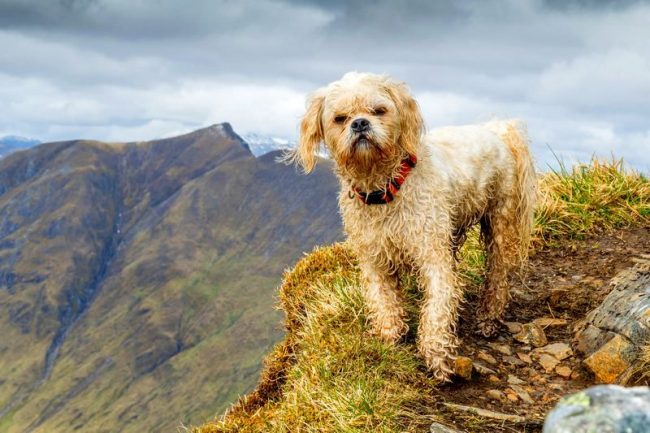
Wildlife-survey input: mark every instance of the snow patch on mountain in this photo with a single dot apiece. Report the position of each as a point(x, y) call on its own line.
point(261, 144)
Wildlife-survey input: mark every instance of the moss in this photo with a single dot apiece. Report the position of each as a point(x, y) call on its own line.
point(577, 399)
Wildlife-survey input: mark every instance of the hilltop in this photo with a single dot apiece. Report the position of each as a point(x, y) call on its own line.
point(329, 374)
point(138, 277)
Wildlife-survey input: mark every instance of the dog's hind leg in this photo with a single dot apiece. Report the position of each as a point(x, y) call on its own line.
point(502, 237)
point(383, 300)
point(506, 229)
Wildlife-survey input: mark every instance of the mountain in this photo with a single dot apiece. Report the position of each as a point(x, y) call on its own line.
point(261, 144)
point(11, 143)
point(137, 280)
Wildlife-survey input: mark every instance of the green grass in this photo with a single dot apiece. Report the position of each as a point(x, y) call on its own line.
point(330, 375)
point(589, 198)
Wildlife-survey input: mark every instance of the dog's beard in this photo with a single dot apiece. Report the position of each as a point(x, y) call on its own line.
point(368, 159)
point(364, 147)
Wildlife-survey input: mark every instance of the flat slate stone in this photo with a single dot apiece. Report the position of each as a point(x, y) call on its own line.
point(441, 428)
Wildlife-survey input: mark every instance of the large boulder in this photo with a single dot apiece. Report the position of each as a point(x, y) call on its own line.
point(602, 409)
point(612, 336)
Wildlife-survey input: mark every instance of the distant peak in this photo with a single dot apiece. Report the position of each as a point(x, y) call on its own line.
point(261, 144)
point(226, 129)
point(19, 140)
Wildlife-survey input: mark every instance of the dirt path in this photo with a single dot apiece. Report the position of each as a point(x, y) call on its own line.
point(564, 283)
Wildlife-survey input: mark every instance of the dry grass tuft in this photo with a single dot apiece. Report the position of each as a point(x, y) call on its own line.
point(330, 375)
point(588, 198)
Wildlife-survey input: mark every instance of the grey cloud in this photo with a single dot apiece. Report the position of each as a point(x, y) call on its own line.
point(110, 68)
point(577, 5)
point(102, 18)
point(134, 20)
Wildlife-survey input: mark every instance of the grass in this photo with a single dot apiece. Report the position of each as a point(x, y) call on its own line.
point(330, 375)
point(589, 198)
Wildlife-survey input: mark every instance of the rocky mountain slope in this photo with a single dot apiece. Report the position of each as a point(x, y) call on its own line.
point(138, 277)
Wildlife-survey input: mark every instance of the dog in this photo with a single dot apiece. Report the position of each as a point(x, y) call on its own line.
point(407, 199)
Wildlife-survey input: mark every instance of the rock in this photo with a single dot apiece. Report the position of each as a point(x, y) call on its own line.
point(611, 335)
point(604, 409)
point(522, 394)
point(596, 282)
point(538, 379)
point(463, 367)
point(559, 351)
point(532, 334)
point(575, 375)
point(436, 427)
point(550, 321)
point(548, 362)
point(514, 380)
point(612, 360)
point(558, 294)
point(503, 349)
point(482, 369)
point(494, 378)
point(511, 395)
point(495, 394)
point(513, 327)
point(528, 371)
point(563, 371)
point(513, 361)
point(484, 356)
point(525, 357)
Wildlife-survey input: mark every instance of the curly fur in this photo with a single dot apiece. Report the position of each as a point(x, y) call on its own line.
point(477, 174)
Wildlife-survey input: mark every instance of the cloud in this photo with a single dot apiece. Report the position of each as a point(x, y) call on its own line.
point(116, 113)
point(143, 19)
point(606, 81)
point(577, 71)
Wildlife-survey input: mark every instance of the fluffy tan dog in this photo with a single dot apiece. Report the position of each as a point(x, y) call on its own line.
point(407, 199)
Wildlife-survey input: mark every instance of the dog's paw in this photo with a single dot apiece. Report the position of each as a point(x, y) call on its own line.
point(488, 328)
point(440, 367)
point(390, 329)
point(439, 362)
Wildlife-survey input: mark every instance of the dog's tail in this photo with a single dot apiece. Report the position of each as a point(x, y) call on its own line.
point(515, 137)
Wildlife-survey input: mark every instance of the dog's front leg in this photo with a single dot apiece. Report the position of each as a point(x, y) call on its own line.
point(436, 334)
point(382, 298)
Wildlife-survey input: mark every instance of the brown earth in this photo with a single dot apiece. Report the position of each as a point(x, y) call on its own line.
point(564, 282)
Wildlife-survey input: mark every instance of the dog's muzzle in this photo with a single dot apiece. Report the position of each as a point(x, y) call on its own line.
point(360, 125)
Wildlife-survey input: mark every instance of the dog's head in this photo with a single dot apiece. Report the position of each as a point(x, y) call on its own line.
point(368, 123)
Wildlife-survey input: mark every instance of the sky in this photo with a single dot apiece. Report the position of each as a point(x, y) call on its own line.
point(577, 71)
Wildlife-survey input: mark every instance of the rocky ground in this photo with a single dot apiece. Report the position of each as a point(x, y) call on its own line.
point(532, 363)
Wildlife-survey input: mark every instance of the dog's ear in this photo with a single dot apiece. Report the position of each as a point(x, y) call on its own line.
point(311, 133)
point(411, 123)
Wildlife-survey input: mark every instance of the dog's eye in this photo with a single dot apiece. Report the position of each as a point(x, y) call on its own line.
point(340, 119)
point(379, 111)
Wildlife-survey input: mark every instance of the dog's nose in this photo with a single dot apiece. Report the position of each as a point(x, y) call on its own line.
point(360, 125)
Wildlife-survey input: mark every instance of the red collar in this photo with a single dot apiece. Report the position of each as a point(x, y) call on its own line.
point(387, 194)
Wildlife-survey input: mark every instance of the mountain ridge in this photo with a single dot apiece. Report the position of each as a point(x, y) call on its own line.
point(142, 246)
